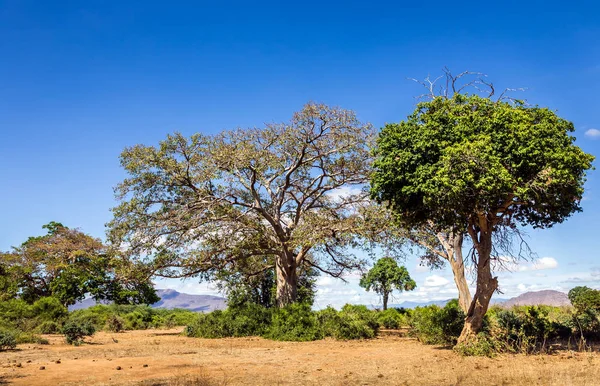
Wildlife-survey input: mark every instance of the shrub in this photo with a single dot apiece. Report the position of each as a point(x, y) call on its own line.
point(29, 337)
point(49, 309)
point(75, 332)
point(435, 325)
point(356, 322)
point(8, 340)
point(245, 320)
point(392, 318)
point(114, 323)
point(295, 322)
point(483, 345)
point(48, 327)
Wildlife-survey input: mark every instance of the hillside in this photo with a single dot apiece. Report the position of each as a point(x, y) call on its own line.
point(170, 298)
point(546, 297)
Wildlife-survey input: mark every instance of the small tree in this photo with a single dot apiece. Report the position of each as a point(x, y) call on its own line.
point(480, 166)
point(385, 277)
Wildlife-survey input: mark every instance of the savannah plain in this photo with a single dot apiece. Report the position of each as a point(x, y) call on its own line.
point(164, 357)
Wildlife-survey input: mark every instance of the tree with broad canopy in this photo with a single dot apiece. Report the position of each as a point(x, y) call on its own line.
point(284, 196)
point(476, 165)
point(69, 265)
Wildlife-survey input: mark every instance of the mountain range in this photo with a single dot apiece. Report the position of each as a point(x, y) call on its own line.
point(206, 303)
point(170, 298)
point(533, 298)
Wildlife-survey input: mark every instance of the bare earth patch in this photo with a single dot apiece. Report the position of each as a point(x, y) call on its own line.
point(163, 357)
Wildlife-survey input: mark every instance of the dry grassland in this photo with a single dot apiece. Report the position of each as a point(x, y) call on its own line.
point(163, 357)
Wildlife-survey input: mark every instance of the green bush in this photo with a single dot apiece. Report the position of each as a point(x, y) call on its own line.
point(75, 332)
point(29, 337)
point(245, 320)
point(435, 325)
point(483, 345)
point(354, 322)
point(48, 327)
point(49, 309)
point(8, 340)
point(392, 318)
point(296, 322)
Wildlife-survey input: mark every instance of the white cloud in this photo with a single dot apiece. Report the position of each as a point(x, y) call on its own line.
point(435, 281)
point(422, 268)
point(593, 133)
point(543, 263)
point(504, 263)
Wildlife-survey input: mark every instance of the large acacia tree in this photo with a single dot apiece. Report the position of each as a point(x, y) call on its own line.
point(282, 196)
point(476, 165)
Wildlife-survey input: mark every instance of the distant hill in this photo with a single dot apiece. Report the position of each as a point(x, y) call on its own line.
point(536, 298)
point(173, 299)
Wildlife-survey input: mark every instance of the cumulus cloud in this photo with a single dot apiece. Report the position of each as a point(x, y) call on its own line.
point(593, 133)
point(504, 263)
point(435, 281)
point(543, 263)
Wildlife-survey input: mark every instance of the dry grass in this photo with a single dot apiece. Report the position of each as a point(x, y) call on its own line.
point(174, 360)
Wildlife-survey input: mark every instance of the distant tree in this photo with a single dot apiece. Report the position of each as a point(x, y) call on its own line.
point(385, 277)
point(585, 298)
point(472, 164)
point(286, 193)
point(68, 264)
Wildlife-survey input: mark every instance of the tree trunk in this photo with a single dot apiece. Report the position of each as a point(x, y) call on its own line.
point(287, 281)
point(486, 285)
point(385, 300)
point(455, 258)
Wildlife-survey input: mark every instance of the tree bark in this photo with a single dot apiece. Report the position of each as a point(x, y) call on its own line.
point(455, 258)
point(385, 300)
point(486, 285)
point(287, 281)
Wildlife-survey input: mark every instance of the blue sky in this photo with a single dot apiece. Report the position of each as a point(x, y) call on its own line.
point(79, 81)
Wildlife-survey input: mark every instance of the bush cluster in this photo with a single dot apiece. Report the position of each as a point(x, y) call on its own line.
point(24, 322)
point(521, 329)
point(296, 322)
point(8, 340)
point(436, 325)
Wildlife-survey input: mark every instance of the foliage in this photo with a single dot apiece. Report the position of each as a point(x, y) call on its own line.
point(295, 322)
point(436, 325)
point(351, 322)
point(247, 320)
point(475, 165)
point(261, 289)
point(393, 318)
point(257, 198)
point(8, 340)
point(75, 331)
point(67, 264)
point(586, 302)
point(385, 277)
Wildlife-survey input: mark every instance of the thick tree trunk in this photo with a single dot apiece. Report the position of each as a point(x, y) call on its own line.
point(287, 281)
point(486, 285)
point(385, 300)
